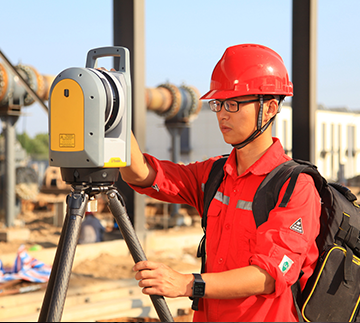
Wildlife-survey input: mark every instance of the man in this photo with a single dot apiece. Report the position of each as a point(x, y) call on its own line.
point(249, 271)
point(91, 229)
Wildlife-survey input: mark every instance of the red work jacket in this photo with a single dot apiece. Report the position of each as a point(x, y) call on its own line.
point(283, 246)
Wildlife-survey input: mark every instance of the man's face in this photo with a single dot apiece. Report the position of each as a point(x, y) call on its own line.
point(238, 126)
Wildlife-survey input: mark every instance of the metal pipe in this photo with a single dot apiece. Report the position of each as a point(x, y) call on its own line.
point(9, 191)
point(175, 104)
point(158, 100)
point(175, 131)
point(304, 77)
point(178, 104)
point(33, 77)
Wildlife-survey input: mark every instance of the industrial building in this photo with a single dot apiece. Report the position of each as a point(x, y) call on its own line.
point(337, 139)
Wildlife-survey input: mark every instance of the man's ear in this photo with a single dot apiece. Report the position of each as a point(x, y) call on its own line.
point(271, 109)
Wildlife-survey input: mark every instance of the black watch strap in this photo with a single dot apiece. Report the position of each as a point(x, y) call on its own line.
point(198, 291)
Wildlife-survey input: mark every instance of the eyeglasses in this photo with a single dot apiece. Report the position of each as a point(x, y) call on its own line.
point(229, 105)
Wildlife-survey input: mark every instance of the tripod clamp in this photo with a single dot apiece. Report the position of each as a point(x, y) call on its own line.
point(54, 299)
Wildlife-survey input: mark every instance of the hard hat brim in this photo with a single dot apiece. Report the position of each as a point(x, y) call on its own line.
point(223, 95)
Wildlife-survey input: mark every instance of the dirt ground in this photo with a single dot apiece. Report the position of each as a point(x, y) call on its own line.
point(42, 231)
point(44, 234)
point(105, 267)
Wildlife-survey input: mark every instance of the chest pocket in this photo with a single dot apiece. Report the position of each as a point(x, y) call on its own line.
point(218, 202)
point(244, 230)
point(215, 207)
point(214, 223)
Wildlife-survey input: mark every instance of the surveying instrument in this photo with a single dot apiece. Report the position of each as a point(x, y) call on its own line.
point(90, 134)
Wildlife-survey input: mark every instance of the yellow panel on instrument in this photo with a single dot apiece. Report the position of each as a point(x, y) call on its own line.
point(115, 162)
point(67, 117)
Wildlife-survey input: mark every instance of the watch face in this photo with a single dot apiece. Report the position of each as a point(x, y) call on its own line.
point(199, 289)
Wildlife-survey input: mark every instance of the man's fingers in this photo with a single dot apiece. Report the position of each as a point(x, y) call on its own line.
point(147, 283)
point(151, 287)
point(141, 265)
point(150, 291)
point(144, 274)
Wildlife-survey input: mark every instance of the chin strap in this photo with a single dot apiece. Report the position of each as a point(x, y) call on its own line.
point(259, 130)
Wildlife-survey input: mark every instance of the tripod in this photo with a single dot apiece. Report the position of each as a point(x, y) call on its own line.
point(86, 183)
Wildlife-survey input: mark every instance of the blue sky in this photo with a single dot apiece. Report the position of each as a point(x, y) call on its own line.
point(184, 40)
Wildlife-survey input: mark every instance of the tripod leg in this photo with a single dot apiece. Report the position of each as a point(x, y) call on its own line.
point(119, 212)
point(50, 287)
point(54, 301)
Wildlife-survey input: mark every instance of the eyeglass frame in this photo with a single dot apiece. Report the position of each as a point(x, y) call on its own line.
point(237, 102)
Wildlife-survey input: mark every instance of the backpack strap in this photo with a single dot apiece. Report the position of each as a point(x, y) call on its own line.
point(296, 292)
point(267, 194)
point(212, 184)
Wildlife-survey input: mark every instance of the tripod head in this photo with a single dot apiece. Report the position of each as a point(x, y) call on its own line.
point(90, 176)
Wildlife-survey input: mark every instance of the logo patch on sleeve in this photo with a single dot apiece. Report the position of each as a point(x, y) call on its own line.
point(156, 187)
point(285, 264)
point(297, 226)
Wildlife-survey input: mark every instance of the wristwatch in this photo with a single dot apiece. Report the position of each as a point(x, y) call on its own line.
point(198, 286)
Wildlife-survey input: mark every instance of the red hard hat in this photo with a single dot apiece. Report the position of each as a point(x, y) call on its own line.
point(249, 69)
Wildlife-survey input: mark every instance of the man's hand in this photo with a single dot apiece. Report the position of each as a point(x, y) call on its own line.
point(159, 279)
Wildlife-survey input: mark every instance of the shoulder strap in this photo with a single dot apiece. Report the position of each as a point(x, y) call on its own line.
point(212, 184)
point(268, 192)
point(267, 196)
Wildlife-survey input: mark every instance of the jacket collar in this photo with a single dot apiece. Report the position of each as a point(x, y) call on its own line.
point(273, 157)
